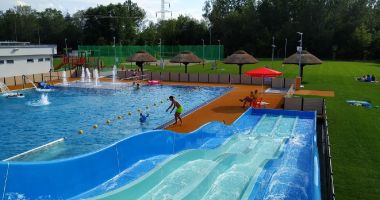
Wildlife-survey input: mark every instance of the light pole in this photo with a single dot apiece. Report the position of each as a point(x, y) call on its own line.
point(160, 49)
point(66, 45)
point(299, 50)
point(161, 61)
point(219, 49)
point(203, 52)
point(273, 47)
point(114, 50)
point(283, 67)
point(209, 29)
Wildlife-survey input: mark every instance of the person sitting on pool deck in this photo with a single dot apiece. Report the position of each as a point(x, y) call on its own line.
point(178, 111)
point(249, 99)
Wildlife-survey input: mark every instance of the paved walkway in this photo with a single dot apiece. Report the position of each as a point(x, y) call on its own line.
point(225, 109)
point(315, 93)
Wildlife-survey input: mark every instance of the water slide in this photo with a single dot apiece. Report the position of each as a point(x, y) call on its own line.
point(159, 164)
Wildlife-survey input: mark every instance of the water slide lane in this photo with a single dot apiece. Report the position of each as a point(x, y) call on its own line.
point(186, 177)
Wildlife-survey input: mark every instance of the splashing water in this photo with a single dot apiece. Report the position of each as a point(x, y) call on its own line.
point(64, 78)
point(88, 75)
point(82, 76)
point(114, 71)
point(43, 101)
point(96, 76)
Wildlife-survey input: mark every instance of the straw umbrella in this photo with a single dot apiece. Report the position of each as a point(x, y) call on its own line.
point(240, 58)
point(186, 57)
point(306, 59)
point(140, 58)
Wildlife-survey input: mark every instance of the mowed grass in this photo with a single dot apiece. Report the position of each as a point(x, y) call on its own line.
point(354, 131)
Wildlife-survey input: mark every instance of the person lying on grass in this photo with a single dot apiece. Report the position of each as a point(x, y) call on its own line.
point(249, 99)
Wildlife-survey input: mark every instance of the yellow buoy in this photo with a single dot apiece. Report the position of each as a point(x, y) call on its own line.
point(95, 126)
point(80, 131)
point(108, 121)
point(129, 113)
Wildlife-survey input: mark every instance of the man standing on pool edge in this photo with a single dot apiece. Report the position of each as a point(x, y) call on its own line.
point(178, 111)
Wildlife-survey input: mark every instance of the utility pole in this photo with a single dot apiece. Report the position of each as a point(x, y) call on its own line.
point(203, 54)
point(114, 48)
point(66, 46)
point(299, 50)
point(163, 10)
point(273, 47)
point(219, 49)
point(283, 66)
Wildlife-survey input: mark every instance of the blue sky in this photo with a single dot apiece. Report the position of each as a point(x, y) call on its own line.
point(191, 8)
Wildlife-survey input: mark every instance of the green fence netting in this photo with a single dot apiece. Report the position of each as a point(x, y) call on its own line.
point(208, 52)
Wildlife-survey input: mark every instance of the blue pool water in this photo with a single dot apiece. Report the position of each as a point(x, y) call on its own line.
point(25, 125)
point(265, 154)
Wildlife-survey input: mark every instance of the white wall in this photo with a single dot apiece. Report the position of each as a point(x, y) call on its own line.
point(20, 55)
point(22, 67)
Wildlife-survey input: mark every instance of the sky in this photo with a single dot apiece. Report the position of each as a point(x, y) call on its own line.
point(191, 8)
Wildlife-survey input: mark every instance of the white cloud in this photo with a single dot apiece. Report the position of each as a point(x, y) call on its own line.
point(191, 8)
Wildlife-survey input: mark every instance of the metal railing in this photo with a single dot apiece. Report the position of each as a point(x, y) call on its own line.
point(330, 190)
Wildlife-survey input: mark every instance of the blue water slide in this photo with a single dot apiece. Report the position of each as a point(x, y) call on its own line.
point(67, 178)
point(71, 178)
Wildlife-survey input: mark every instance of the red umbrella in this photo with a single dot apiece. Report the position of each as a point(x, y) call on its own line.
point(263, 72)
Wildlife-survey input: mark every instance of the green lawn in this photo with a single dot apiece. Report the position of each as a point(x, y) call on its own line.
point(354, 131)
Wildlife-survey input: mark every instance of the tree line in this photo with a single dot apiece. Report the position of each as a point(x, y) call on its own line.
point(332, 29)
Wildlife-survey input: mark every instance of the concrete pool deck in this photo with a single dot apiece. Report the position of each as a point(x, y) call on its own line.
point(227, 108)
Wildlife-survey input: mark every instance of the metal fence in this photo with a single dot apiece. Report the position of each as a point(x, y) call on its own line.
point(208, 52)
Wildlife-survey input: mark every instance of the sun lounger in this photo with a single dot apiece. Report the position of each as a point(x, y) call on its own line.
point(278, 83)
point(174, 76)
point(257, 80)
point(314, 104)
point(184, 77)
point(293, 103)
point(289, 82)
point(203, 78)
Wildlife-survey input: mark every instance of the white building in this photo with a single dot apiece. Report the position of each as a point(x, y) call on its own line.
point(22, 58)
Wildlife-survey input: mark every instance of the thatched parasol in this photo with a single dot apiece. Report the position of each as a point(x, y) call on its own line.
point(306, 59)
point(140, 58)
point(240, 58)
point(185, 57)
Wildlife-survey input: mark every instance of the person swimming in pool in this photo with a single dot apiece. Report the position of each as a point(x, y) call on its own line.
point(178, 111)
point(143, 118)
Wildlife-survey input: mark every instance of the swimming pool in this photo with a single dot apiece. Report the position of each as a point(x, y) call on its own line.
point(27, 123)
point(265, 154)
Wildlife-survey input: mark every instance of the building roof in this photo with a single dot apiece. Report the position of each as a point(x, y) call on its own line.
point(185, 57)
point(15, 44)
point(306, 59)
point(240, 57)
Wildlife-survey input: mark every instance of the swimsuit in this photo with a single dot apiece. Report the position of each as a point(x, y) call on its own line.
point(179, 110)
